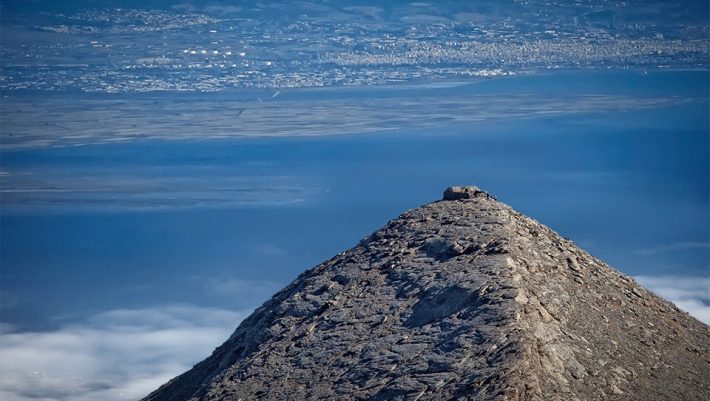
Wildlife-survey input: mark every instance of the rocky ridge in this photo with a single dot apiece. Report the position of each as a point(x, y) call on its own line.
point(461, 299)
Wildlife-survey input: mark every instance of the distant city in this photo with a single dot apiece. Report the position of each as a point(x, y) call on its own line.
point(181, 48)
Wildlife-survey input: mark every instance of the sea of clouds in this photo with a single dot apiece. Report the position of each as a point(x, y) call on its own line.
point(115, 355)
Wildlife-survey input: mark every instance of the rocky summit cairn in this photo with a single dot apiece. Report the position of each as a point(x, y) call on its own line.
point(456, 193)
point(461, 299)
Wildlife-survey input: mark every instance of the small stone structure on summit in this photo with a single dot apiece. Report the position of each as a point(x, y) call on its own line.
point(460, 299)
point(468, 192)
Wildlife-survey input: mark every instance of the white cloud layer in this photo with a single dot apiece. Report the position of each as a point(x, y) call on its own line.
point(692, 294)
point(115, 355)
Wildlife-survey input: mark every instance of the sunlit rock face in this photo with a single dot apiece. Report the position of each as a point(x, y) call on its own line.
point(461, 299)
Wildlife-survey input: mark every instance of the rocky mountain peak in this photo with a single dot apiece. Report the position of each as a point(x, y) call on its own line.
point(460, 299)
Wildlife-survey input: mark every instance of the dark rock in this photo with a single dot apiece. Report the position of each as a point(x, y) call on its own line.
point(469, 192)
point(441, 304)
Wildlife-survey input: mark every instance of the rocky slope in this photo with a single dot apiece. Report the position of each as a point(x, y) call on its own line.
point(461, 299)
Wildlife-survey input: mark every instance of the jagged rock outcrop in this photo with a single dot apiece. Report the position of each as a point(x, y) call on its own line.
point(461, 299)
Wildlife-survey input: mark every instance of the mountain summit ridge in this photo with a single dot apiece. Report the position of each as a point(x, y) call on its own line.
point(460, 299)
